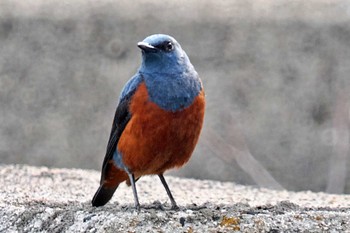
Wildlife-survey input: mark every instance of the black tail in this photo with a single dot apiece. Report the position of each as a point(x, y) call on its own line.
point(103, 195)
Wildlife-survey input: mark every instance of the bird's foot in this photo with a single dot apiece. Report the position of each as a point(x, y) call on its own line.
point(175, 207)
point(138, 208)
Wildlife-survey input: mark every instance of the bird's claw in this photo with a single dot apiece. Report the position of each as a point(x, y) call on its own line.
point(175, 207)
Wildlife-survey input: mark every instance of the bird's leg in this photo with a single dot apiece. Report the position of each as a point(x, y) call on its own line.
point(132, 182)
point(173, 202)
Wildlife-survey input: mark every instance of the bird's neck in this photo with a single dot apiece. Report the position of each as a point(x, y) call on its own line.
point(173, 91)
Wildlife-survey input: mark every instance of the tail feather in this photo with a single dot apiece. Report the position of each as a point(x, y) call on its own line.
point(103, 195)
point(111, 177)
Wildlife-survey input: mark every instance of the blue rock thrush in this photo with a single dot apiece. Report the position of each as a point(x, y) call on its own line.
point(158, 119)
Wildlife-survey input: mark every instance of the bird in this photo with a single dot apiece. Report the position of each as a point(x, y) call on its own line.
point(157, 122)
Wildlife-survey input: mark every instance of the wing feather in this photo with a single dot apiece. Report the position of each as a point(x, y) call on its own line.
point(121, 118)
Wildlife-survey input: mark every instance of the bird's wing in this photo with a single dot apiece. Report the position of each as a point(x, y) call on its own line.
point(121, 119)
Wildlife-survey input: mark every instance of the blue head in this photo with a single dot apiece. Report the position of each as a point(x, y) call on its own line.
point(171, 80)
point(163, 54)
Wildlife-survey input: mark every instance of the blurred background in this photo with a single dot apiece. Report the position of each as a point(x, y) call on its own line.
point(276, 75)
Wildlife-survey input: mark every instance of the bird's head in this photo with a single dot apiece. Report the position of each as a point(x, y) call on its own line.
point(162, 53)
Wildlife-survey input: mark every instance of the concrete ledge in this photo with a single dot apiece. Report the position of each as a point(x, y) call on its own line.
point(41, 199)
point(276, 75)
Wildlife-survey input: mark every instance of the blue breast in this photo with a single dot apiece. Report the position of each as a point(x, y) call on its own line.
point(172, 92)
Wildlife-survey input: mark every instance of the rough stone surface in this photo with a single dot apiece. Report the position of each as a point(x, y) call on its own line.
point(39, 199)
point(279, 68)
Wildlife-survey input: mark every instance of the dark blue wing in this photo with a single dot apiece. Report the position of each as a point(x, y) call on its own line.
point(121, 119)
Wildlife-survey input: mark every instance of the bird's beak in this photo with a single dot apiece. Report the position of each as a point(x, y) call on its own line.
point(146, 47)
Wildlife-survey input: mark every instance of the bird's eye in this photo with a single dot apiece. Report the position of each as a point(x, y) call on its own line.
point(168, 46)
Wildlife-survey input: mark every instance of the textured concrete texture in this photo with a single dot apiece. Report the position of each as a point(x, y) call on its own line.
point(39, 199)
point(276, 75)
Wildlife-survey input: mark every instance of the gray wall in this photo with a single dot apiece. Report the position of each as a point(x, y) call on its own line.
point(276, 75)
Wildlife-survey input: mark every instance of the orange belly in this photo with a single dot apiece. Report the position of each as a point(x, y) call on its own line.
point(155, 140)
